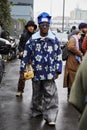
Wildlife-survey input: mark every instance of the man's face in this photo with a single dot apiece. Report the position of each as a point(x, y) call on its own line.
point(44, 27)
point(84, 30)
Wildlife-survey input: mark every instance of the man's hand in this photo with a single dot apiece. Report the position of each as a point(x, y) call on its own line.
point(20, 55)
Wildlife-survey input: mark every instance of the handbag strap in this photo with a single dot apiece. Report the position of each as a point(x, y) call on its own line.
point(29, 67)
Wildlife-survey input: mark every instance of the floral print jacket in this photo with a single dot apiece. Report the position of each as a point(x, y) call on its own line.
point(45, 54)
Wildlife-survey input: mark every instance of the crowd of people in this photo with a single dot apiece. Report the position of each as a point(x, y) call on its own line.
point(75, 73)
point(42, 50)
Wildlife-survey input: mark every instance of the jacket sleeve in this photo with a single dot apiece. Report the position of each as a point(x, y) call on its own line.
point(26, 56)
point(22, 43)
point(84, 44)
point(58, 57)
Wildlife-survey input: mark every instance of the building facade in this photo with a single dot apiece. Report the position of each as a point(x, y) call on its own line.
point(21, 11)
point(56, 23)
point(79, 14)
point(76, 17)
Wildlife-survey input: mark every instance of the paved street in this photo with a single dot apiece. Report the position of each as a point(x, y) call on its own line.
point(15, 112)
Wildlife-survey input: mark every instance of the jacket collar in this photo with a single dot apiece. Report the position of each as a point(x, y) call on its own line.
point(50, 35)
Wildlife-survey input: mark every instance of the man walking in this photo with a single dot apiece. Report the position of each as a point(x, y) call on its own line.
point(43, 49)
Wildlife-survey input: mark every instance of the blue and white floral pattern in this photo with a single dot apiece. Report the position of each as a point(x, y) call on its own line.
point(45, 55)
point(38, 47)
point(50, 49)
point(38, 67)
point(38, 58)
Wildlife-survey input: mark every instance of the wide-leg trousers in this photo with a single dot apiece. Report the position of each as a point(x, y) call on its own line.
point(45, 99)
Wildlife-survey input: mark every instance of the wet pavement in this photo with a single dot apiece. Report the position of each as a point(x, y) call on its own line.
point(15, 112)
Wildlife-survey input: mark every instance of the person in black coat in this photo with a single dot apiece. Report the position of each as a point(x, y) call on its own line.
point(30, 28)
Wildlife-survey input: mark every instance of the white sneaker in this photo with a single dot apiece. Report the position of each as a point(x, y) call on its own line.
point(52, 123)
point(18, 94)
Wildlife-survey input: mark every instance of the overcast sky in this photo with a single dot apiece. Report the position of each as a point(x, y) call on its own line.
point(55, 7)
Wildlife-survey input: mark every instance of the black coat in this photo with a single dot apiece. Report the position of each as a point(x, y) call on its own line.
point(23, 39)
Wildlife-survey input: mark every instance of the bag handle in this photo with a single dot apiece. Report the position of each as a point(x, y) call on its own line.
point(29, 67)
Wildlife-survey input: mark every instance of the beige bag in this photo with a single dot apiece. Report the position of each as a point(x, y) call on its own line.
point(29, 73)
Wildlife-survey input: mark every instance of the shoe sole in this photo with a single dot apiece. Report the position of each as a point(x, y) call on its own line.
point(52, 124)
point(19, 95)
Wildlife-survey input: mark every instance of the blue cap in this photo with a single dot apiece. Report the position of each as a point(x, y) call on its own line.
point(44, 17)
point(82, 25)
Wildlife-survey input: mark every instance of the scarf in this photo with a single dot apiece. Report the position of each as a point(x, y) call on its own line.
point(77, 47)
